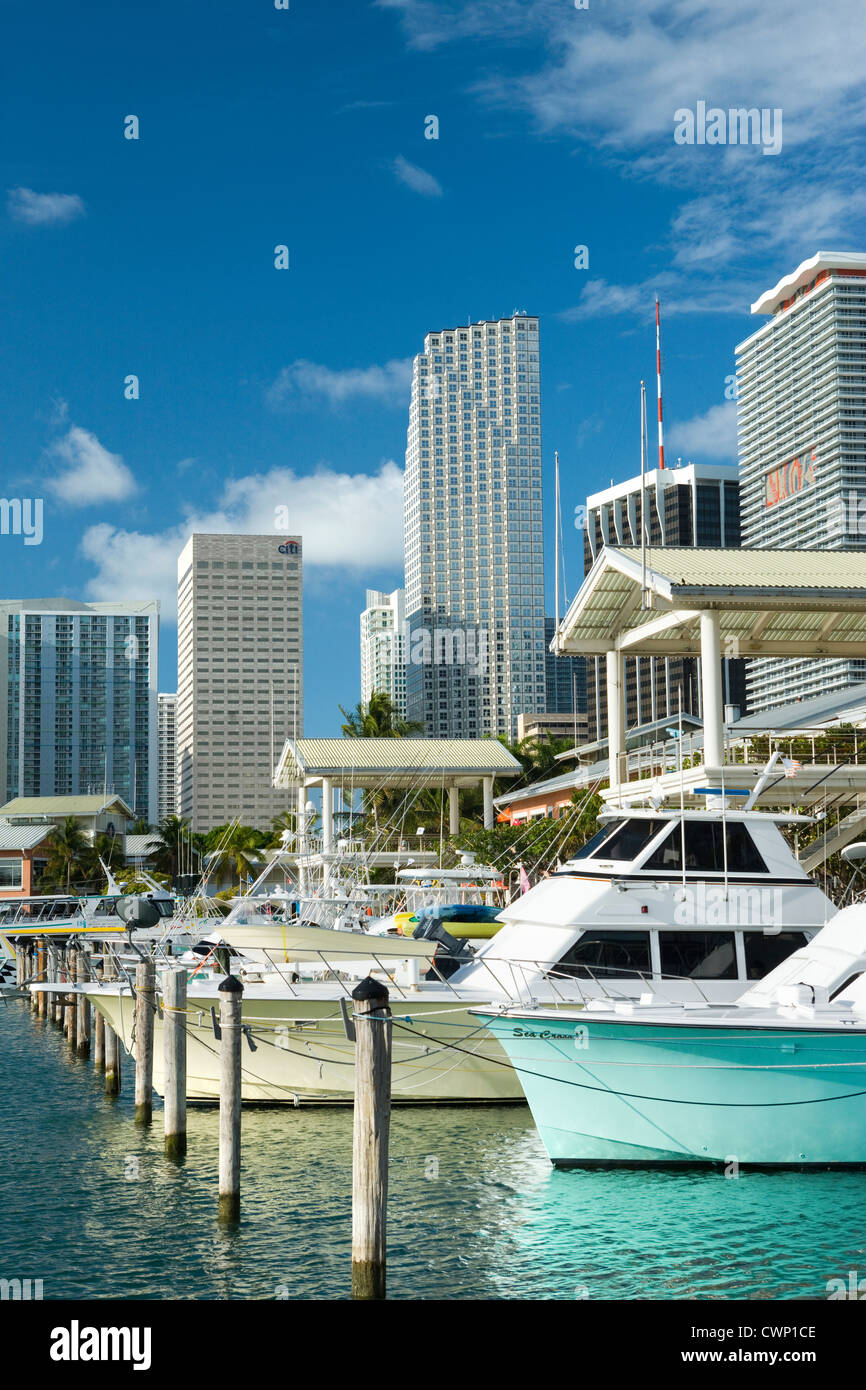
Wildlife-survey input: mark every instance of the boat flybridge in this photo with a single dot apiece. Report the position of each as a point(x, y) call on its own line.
point(684, 906)
point(81, 914)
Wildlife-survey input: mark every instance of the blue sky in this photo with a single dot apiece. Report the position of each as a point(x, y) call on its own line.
point(262, 388)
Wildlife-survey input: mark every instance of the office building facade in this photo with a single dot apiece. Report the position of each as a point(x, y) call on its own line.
point(240, 675)
point(801, 388)
point(166, 756)
point(79, 713)
point(690, 505)
point(383, 647)
point(473, 530)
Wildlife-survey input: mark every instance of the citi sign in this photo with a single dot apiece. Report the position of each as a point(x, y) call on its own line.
point(790, 478)
point(288, 548)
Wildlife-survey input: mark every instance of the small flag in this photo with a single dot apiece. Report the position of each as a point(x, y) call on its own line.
point(524, 880)
point(791, 766)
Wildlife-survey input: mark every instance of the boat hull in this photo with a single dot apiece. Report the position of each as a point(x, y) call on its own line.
point(441, 1055)
point(626, 1092)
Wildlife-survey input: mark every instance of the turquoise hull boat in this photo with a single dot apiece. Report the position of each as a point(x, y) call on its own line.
point(631, 1091)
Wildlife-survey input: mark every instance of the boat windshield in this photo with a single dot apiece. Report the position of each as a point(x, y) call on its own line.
point(622, 839)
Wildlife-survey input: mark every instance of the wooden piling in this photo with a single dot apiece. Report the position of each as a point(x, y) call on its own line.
point(112, 1043)
point(98, 1027)
point(33, 974)
point(60, 997)
point(372, 1123)
point(39, 999)
point(231, 993)
point(82, 973)
point(174, 1060)
point(145, 1007)
point(71, 1001)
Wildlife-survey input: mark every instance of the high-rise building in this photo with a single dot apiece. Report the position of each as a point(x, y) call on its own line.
point(383, 647)
point(691, 505)
point(167, 756)
point(79, 711)
point(473, 530)
point(564, 676)
point(801, 381)
point(240, 675)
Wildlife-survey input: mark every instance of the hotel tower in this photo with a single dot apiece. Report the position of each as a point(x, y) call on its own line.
point(475, 656)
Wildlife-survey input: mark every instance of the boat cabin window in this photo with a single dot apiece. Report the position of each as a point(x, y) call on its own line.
point(698, 955)
point(705, 849)
point(607, 953)
point(598, 839)
point(764, 951)
point(629, 839)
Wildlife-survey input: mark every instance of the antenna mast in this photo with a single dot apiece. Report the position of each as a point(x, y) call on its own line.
point(659, 380)
point(556, 542)
point(643, 494)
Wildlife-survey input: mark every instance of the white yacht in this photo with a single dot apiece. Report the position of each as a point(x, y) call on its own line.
point(686, 906)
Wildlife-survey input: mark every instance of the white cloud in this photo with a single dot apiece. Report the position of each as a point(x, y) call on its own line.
point(600, 299)
point(347, 521)
point(305, 381)
point(613, 87)
point(712, 435)
point(416, 179)
point(43, 209)
point(92, 474)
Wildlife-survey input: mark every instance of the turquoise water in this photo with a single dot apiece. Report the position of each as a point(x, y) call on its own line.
point(89, 1205)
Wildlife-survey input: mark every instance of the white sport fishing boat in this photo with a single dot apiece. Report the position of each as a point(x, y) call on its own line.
point(684, 906)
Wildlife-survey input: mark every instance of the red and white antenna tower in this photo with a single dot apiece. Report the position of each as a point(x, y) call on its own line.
point(659, 379)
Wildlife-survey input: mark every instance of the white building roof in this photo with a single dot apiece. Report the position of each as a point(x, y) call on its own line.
point(806, 271)
point(770, 603)
point(393, 762)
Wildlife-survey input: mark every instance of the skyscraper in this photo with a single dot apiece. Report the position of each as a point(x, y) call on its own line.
point(167, 756)
point(79, 712)
point(698, 505)
point(240, 674)
point(801, 381)
point(473, 530)
point(383, 653)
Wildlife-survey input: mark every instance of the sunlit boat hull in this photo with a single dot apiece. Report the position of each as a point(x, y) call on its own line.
point(629, 1092)
point(440, 1054)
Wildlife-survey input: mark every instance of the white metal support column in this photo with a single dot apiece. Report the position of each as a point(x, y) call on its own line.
point(711, 690)
point(615, 717)
point(488, 803)
point(453, 810)
point(327, 815)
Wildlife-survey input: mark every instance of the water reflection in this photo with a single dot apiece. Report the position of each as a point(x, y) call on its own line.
point(91, 1206)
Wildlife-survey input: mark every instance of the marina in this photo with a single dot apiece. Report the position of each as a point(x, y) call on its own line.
point(433, 698)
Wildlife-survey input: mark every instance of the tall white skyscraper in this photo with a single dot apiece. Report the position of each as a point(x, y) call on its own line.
point(383, 655)
point(802, 426)
point(240, 674)
point(167, 756)
point(79, 712)
point(473, 530)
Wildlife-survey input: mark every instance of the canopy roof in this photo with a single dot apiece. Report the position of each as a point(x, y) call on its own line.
point(393, 762)
point(34, 806)
point(770, 602)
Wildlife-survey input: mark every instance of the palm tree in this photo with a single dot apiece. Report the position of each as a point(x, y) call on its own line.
point(379, 718)
point(140, 827)
point(69, 848)
point(242, 847)
point(172, 843)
